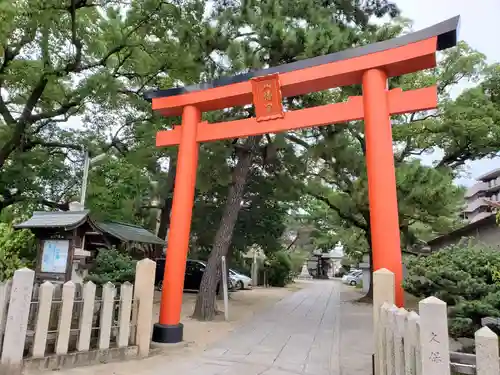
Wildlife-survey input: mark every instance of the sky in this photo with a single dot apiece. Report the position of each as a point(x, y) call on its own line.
point(479, 27)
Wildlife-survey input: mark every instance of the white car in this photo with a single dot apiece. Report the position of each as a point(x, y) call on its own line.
point(240, 281)
point(353, 277)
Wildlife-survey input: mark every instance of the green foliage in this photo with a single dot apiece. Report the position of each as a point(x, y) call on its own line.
point(17, 250)
point(465, 277)
point(114, 54)
point(280, 267)
point(118, 191)
point(112, 265)
point(260, 220)
point(465, 128)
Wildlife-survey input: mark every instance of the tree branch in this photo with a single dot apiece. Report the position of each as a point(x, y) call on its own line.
point(297, 140)
point(4, 111)
point(62, 110)
point(52, 204)
point(360, 139)
point(21, 123)
point(38, 142)
point(18, 197)
point(342, 215)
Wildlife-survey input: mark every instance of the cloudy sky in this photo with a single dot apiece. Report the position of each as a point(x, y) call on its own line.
point(479, 27)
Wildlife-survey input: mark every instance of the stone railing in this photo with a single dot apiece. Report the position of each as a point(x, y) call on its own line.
point(418, 344)
point(52, 326)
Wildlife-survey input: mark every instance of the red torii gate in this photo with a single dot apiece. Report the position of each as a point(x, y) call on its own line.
point(369, 65)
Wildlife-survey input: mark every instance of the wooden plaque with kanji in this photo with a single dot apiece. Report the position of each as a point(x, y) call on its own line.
point(267, 97)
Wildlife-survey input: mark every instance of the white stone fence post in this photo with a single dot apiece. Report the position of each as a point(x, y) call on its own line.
point(407, 343)
point(50, 326)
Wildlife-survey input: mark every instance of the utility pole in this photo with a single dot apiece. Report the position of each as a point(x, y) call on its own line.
point(86, 167)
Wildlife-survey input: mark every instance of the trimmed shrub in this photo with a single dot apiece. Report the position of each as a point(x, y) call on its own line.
point(112, 265)
point(466, 277)
point(279, 267)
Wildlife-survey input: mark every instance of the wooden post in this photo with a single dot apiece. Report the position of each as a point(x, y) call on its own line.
point(224, 288)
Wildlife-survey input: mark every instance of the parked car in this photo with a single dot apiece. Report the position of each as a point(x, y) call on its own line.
point(192, 277)
point(240, 281)
point(353, 277)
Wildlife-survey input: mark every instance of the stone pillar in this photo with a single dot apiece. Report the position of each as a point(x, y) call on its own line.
point(383, 293)
point(17, 319)
point(486, 352)
point(434, 341)
point(144, 290)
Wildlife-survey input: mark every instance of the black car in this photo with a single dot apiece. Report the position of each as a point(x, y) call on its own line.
point(192, 277)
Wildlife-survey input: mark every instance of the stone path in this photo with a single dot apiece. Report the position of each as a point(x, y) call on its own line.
point(311, 332)
point(356, 334)
point(315, 331)
point(300, 335)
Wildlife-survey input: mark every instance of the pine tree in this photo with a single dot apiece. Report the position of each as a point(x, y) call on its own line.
point(269, 33)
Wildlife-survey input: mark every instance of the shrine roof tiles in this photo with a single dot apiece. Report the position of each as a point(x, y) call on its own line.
point(54, 219)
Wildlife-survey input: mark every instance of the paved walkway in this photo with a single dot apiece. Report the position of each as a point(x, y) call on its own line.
point(314, 331)
point(311, 332)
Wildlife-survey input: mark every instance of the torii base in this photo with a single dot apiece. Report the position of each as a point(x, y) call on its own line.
point(168, 334)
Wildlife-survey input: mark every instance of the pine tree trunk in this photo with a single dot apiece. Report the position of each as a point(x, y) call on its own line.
point(205, 308)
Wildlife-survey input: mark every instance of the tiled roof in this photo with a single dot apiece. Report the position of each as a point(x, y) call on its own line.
point(129, 232)
point(55, 219)
point(73, 219)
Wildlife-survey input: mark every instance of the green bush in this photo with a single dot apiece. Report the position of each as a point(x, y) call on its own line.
point(112, 265)
point(17, 250)
point(279, 266)
point(466, 276)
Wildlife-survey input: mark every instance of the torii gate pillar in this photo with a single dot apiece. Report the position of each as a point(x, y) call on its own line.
point(384, 222)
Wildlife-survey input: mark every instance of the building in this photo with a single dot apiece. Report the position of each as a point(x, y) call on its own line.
point(478, 197)
point(484, 230)
point(68, 242)
point(482, 203)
